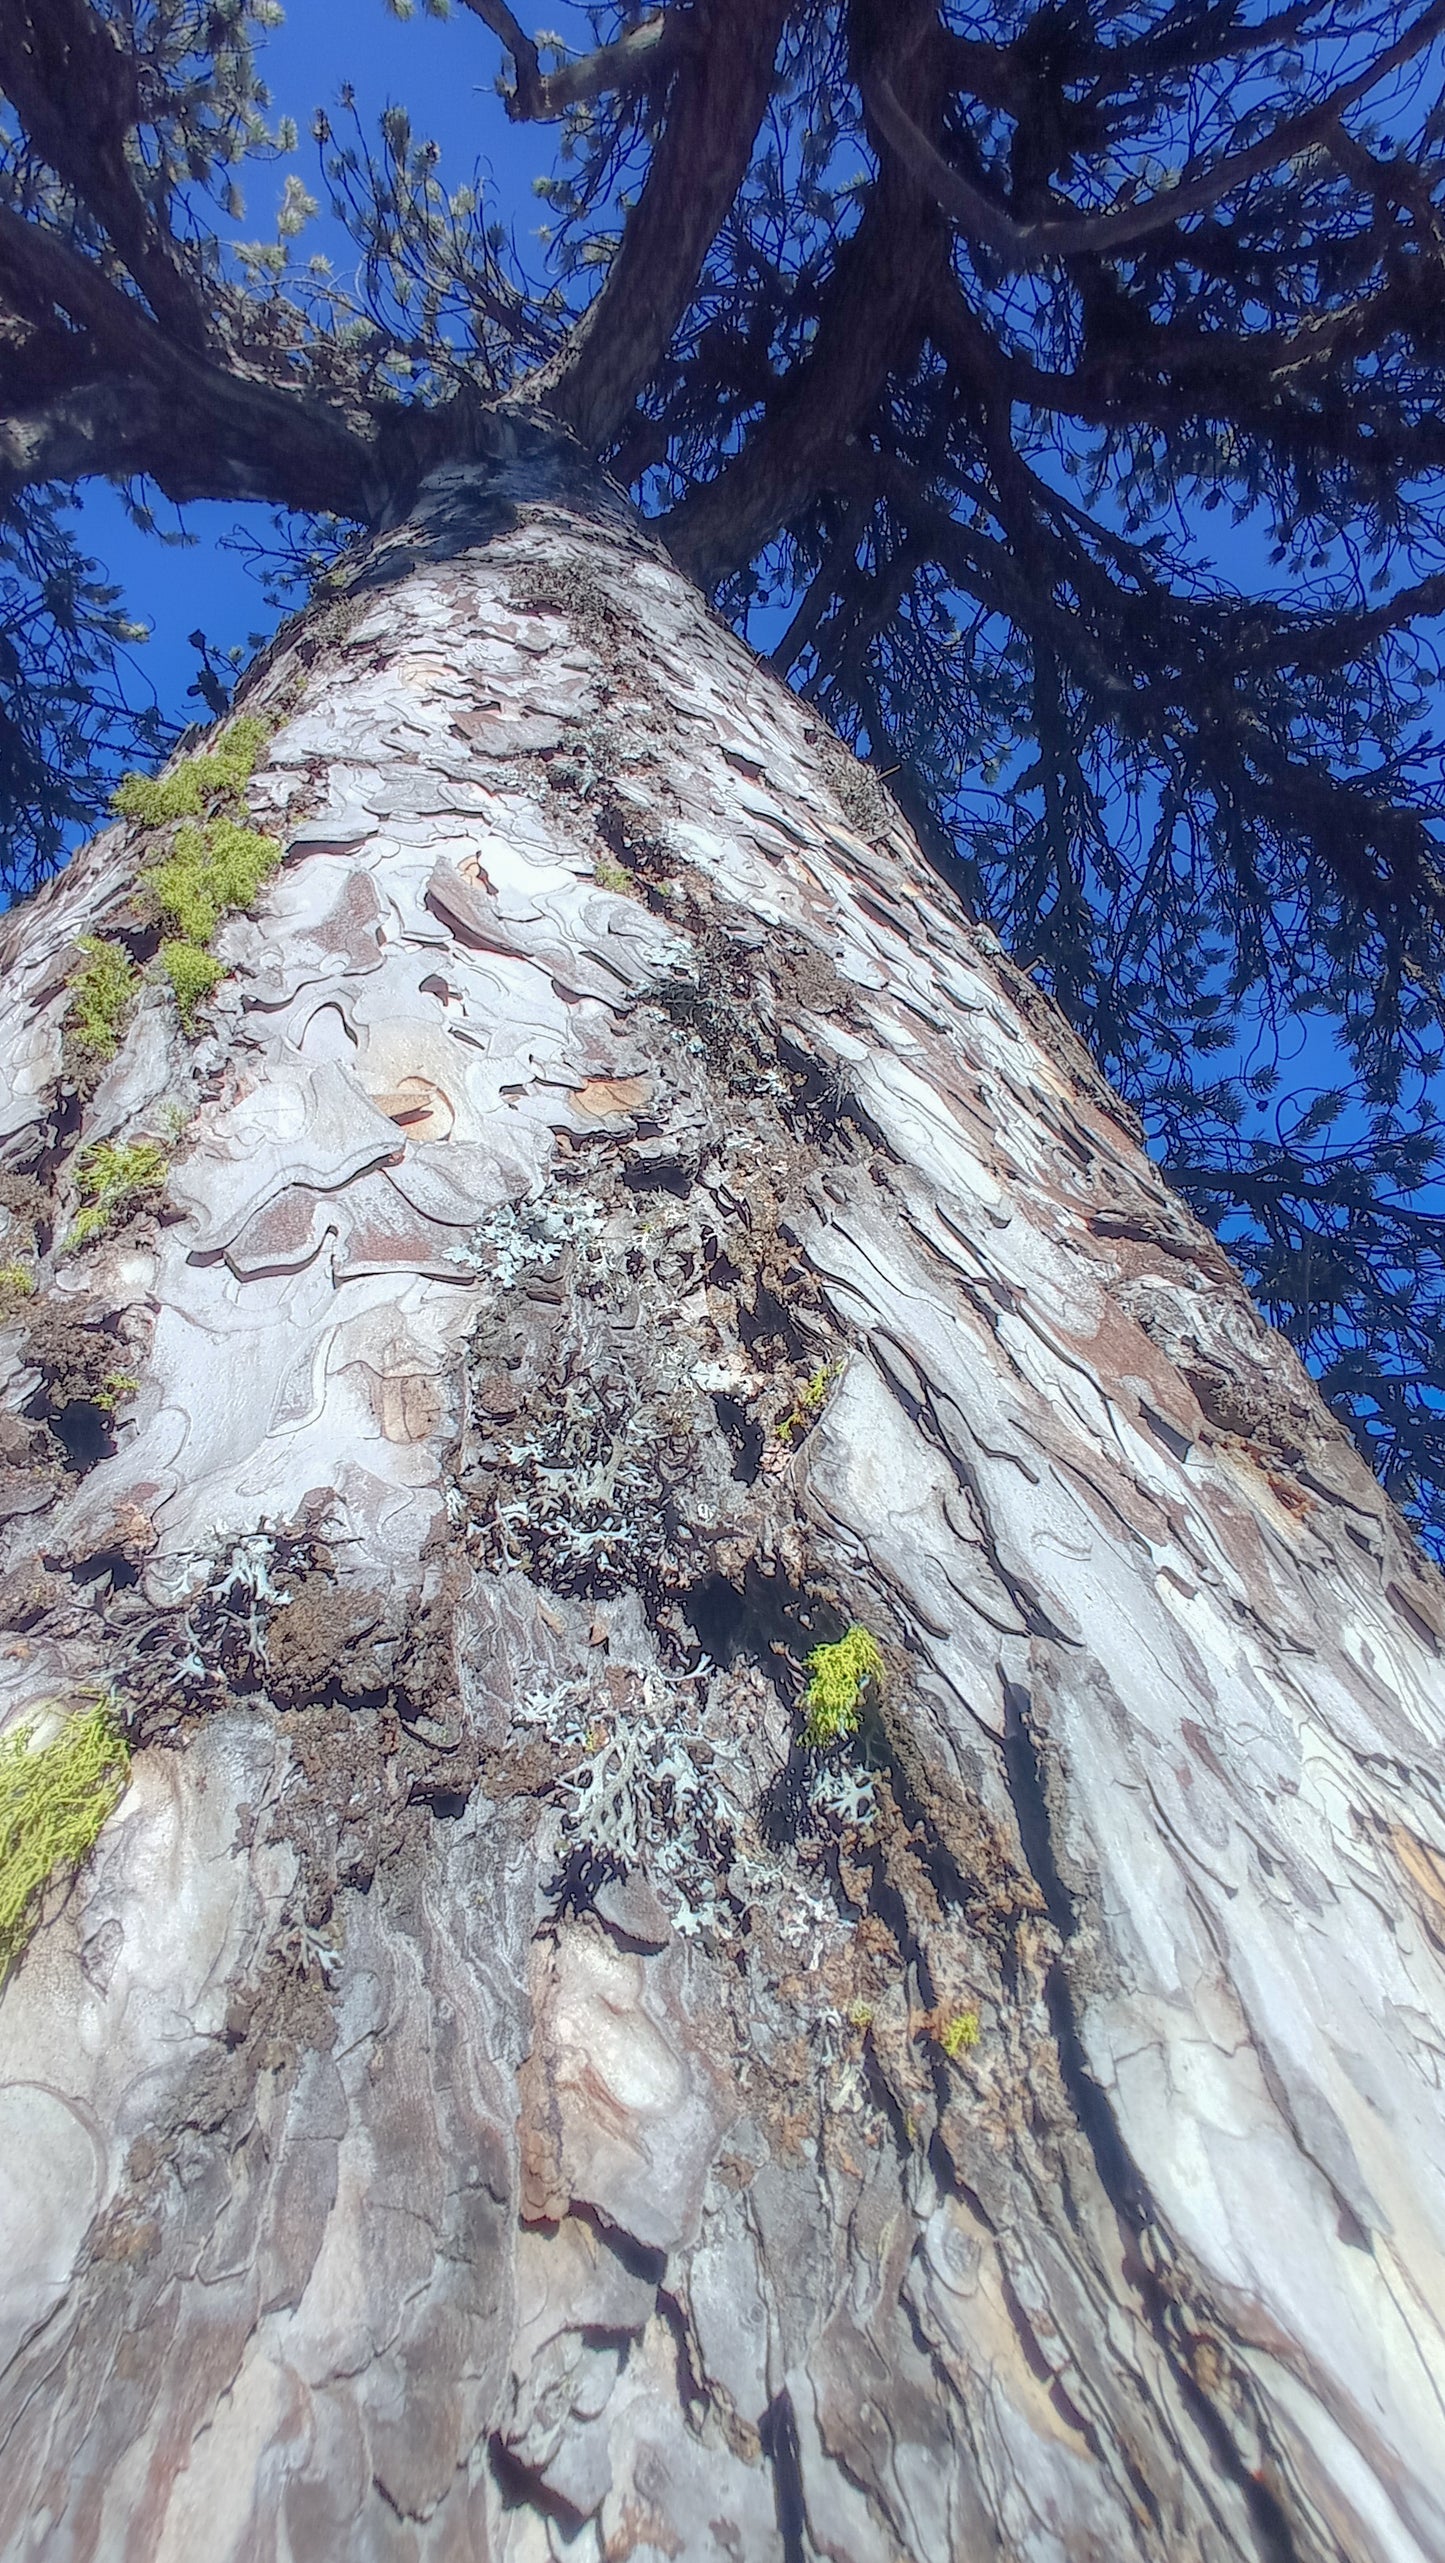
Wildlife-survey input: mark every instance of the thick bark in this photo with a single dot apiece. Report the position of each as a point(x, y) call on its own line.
point(491, 2075)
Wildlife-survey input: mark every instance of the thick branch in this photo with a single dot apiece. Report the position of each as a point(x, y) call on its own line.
point(202, 435)
point(884, 280)
point(75, 92)
point(1266, 381)
point(136, 402)
point(542, 97)
point(719, 97)
point(40, 274)
point(1038, 244)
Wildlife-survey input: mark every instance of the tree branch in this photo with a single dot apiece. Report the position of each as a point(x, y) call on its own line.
point(542, 97)
point(39, 274)
point(720, 93)
point(75, 92)
point(1038, 244)
point(884, 279)
point(1266, 382)
point(137, 402)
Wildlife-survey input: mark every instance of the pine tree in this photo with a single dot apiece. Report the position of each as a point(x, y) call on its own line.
point(778, 1875)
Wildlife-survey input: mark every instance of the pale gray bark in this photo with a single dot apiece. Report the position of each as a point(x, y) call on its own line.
point(388, 2174)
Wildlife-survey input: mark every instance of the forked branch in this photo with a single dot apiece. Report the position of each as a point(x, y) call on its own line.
point(542, 97)
point(1023, 245)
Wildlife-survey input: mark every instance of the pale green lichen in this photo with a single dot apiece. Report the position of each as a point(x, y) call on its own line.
point(54, 1798)
point(839, 1680)
point(610, 876)
point(111, 1175)
point(102, 991)
point(957, 2033)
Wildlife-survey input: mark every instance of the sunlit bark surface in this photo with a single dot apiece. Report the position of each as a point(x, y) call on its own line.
point(495, 2092)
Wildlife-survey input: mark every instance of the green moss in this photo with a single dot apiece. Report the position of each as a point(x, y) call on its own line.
point(152, 799)
point(957, 2033)
point(53, 1802)
point(810, 1402)
point(116, 1389)
point(17, 1282)
point(210, 871)
point(225, 771)
point(102, 991)
point(193, 973)
point(610, 876)
point(111, 1175)
point(840, 1677)
point(214, 866)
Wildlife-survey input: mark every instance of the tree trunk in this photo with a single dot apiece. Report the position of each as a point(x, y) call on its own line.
point(497, 2089)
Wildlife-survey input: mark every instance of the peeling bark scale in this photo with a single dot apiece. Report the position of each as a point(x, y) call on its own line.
point(494, 2091)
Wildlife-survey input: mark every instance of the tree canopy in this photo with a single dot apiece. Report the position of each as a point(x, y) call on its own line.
point(1054, 391)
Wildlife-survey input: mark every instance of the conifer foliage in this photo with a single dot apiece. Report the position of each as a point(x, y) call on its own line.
point(1053, 389)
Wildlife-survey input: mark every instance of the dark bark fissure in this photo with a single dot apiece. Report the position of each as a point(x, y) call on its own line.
point(1118, 2174)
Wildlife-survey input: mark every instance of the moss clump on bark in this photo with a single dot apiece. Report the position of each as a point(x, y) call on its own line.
point(102, 992)
point(193, 973)
point(839, 1680)
point(215, 865)
point(957, 2033)
point(53, 1801)
point(809, 1403)
point(223, 772)
point(112, 1175)
point(211, 871)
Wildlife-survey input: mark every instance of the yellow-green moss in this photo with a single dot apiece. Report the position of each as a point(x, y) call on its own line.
point(809, 1403)
point(214, 866)
point(110, 1175)
point(17, 1282)
point(957, 2033)
point(101, 994)
point(116, 1389)
point(839, 1678)
point(53, 1801)
point(193, 973)
point(211, 871)
point(610, 876)
point(225, 770)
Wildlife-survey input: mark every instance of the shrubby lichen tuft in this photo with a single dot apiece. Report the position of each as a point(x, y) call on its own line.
point(53, 1801)
point(839, 1679)
point(958, 2033)
point(810, 1402)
